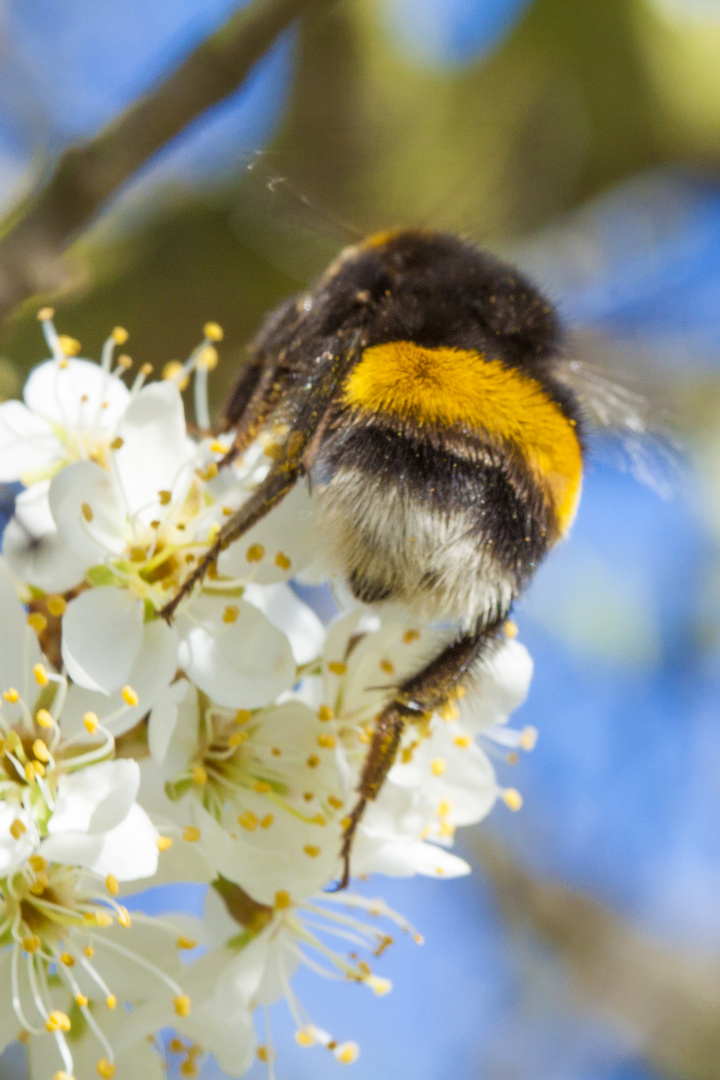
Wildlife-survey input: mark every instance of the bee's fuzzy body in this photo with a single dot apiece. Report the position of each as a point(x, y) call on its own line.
point(452, 460)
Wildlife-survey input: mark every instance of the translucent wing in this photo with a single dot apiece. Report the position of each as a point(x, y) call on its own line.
point(624, 426)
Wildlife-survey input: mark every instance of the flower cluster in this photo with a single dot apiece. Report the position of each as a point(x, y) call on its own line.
point(222, 749)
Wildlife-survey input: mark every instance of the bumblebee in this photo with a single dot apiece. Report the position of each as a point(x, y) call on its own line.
point(425, 395)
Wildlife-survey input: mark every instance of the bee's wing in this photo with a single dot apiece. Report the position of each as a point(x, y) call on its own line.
point(624, 426)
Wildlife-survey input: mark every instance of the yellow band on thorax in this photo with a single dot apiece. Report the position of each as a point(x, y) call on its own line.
point(448, 386)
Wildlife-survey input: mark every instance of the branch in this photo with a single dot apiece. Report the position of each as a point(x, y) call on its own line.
point(37, 232)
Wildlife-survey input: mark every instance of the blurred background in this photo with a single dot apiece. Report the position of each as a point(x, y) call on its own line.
point(581, 139)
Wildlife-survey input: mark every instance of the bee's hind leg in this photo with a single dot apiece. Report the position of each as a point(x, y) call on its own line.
point(414, 700)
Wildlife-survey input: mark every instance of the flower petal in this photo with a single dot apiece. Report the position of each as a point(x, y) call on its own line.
point(129, 851)
point(155, 447)
point(286, 536)
point(32, 548)
point(286, 611)
point(88, 512)
point(243, 663)
point(96, 798)
point(19, 649)
point(27, 442)
point(102, 636)
point(77, 395)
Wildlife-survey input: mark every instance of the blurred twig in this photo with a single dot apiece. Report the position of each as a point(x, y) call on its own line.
point(36, 233)
point(669, 996)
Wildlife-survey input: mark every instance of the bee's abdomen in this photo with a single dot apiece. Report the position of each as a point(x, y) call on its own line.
point(450, 531)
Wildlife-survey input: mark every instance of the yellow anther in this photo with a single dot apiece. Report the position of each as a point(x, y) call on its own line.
point(444, 808)
point(463, 741)
point(45, 313)
point(119, 335)
point(11, 695)
point(255, 553)
point(511, 629)
point(248, 820)
point(411, 635)
point(44, 719)
point(111, 884)
point(129, 696)
point(191, 834)
point(188, 1068)
point(81, 1001)
point(41, 751)
point(231, 613)
point(337, 668)
point(387, 666)
point(347, 1053)
point(38, 863)
point(242, 716)
point(111, 1001)
point(62, 1075)
point(312, 850)
point(282, 900)
point(207, 358)
point(40, 884)
point(41, 675)
point(238, 738)
point(91, 722)
point(182, 1005)
point(264, 1054)
point(449, 711)
point(185, 942)
point(512, 798)
point(337, 804)
point(378, 985)
point(38, 768)
point(267, 821)
point(117, 443)
point(67, 959)
point(124, 918)
point(87, 512)
point(37, 621)
point(313, 761)
point(213, 331)
point(57, 606)
point(105, 1069)
point(209, 473)
point(282, 560)
point(438, 766)
point(199, 775)
point(528, 738)
point(175, 372)
point(325, 713)
point(165, 497)
point(88, 951)
point(217, 447)
point(31, 943)
point(103, 918)
point(176, 1046)
point(69, 345)
point(326, 741)
point(305, 1037)
point(276, 751)
point(125, 362)
point(262, 787)
point(58, 1021)
point(31, 771)
point(164, 843)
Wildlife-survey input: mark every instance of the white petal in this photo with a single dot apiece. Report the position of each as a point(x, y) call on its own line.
point(286, 533)
point(298, 621)
point(163, 719)
point(500, 686)
point(241, 664)
point(19, 649)
point(102, 636)
point(153, 670)
point(398, 858)
point(78, 395)
point(88, 512)
point(129, 851)
point(155, 445)
point(96, 798)
point(27, 442)
point(32, 548)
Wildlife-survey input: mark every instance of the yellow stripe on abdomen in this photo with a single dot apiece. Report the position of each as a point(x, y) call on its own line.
point(446, 386)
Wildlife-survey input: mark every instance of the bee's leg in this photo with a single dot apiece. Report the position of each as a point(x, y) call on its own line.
point(414, 699)
point(311, 408)
point(253, 399)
